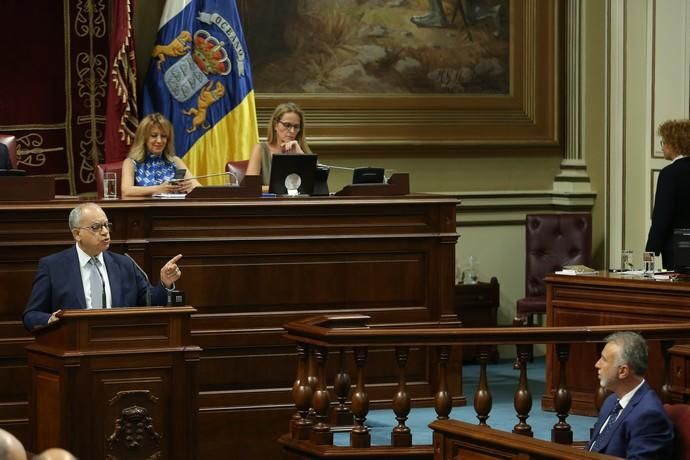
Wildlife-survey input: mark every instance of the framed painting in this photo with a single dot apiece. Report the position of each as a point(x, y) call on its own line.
point(397, 75)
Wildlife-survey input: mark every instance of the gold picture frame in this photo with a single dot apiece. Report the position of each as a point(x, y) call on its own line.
point(527, 117)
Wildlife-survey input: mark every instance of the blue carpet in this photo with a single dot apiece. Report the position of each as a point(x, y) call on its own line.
point(503, 381)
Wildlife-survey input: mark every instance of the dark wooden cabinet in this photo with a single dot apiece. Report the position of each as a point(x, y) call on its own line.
point(476, 306)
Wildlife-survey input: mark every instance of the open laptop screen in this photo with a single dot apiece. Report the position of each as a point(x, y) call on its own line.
point(292, 174)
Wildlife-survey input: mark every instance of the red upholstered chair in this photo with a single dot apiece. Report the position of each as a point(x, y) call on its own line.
point(10, 142)
point(551, 241)
point(116, 167)
point(238, 169)
point(680, 416)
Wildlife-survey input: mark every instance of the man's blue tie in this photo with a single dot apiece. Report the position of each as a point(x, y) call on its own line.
point(96, 282)
point(603, 436)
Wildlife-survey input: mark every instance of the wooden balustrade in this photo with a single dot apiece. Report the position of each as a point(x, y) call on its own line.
point(311, 433)
point(318, 336)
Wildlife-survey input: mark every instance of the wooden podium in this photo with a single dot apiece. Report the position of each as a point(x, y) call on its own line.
point(116, 384)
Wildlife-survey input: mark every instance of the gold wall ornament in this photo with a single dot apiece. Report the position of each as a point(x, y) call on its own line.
point(30, 151)
point(92, 84)
point(90, 18)
point(90, 153)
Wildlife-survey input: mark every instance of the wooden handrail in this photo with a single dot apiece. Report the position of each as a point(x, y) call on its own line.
point(344, 330)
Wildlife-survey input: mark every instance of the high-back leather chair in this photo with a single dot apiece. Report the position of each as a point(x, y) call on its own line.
point(551, 241)
point(238, 169)
point(116, 167)
point(680, 417)
point(11, 144)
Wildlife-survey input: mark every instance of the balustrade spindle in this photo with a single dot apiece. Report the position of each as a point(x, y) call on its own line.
point(482, 396)
point(401, 436)
point(523, 397)
point(360, 436)
point(666, 387)
point(321, 433)
point(442, 401)
point(313, 380)
point(341, 387)
point(300, 425)
point(561, 432)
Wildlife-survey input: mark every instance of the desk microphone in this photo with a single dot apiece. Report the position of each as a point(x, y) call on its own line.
point(344, 168)
point(146, 277)
point(100, 275)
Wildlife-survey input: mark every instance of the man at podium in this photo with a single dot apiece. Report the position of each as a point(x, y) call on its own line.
point(87, 275)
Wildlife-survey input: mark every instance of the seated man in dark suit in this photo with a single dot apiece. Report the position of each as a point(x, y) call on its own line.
point(632, 422)
point(87, 275)
point(5, 162)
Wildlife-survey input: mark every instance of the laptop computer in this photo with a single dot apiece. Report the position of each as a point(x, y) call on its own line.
point(292, 174)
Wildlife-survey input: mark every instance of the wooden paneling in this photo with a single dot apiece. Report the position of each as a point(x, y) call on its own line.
point(607, 299)
point(249, 266)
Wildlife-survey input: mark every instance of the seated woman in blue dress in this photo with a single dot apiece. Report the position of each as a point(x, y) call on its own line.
point(152, 162)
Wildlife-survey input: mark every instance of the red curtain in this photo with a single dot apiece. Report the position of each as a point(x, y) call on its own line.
point(53, 87)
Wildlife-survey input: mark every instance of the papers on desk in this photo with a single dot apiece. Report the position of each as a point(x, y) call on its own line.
point(169, 195)
point(631, 273)
point(657, 275)
point(577, 270)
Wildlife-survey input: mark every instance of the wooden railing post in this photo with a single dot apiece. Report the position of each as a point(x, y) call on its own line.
point(341, 387)
point(321, 433)
point(401, 436)
point(300, 425)
point(443, 402)
point(666, 387)
point(482, 397)
point(360, 436)
point(523, 397)
point(561, 431)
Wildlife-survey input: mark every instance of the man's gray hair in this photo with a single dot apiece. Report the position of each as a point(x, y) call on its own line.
point(75, 218)
point(75, 214)
point(633, 351)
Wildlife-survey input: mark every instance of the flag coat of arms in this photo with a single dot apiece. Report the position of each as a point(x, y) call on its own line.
point(200, 79)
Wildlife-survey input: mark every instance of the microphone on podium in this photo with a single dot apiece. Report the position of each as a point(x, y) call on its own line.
point(146, 277)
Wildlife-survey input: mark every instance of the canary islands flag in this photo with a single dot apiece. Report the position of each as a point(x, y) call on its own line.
point(200, 79)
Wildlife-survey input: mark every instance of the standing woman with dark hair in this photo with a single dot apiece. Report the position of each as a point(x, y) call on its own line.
point(672, 198)
point(284, 134)
point(152, 162)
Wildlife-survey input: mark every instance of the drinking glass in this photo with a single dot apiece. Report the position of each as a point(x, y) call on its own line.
point(627, 260)
point(648, 263)
point(469, 274)
point(109, 185)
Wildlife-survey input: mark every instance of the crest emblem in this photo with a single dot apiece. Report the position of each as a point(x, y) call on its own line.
point(201, 62)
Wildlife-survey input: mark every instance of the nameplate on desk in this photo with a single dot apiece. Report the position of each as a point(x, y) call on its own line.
point(27, 188)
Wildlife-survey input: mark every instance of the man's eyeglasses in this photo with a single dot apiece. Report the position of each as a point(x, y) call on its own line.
point(289, 126)
point(97, 227)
